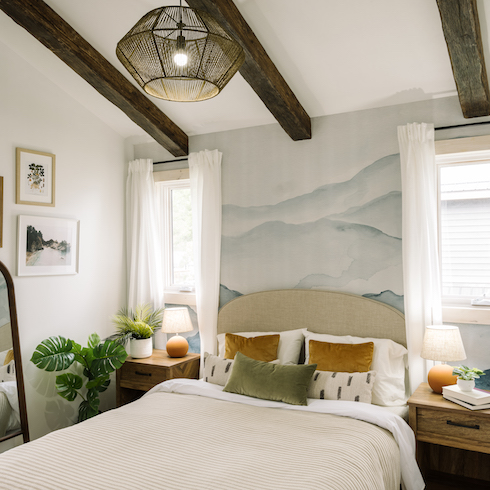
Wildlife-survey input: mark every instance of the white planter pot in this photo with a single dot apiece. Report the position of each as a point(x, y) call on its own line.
point(139, 348)
point(466, 384)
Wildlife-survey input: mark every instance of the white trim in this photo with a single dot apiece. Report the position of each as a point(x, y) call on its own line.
point(167, 175)
point(180, 298)
point(462, 145)
point(469, 314)
point(461, 151)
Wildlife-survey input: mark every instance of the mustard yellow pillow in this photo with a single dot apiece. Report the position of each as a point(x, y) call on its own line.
point(9, 357)
point(345, 358)
point(262, 348)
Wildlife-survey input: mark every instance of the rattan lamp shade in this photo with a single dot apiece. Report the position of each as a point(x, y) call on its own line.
point(147, 51)
point(442, 343)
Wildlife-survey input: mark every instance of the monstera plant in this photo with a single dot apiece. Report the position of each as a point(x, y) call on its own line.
point(98, 361)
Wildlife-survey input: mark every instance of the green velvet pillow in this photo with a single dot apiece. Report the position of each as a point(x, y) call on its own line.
point(277, 382)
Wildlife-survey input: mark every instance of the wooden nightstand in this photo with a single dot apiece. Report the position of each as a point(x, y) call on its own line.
point(451, 439)
point(136, 376)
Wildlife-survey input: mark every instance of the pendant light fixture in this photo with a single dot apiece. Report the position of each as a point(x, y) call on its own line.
point(180, 54)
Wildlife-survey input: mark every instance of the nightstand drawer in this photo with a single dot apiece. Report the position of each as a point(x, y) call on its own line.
point(142, 376)
point(458, 428)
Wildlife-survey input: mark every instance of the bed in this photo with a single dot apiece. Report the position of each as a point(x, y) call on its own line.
point(203, 434)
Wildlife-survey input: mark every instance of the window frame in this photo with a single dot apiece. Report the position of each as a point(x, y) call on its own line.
point(171, 179)
point(449, 152)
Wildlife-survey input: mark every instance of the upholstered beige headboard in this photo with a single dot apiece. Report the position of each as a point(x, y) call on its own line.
point(330, 312)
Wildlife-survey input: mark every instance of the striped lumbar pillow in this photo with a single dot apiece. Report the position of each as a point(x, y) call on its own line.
point(216, 369)
point(354, 387)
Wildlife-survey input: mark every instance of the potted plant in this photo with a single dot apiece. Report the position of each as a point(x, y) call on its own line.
point(466, 377)
point(138, 327)
point(98, 360)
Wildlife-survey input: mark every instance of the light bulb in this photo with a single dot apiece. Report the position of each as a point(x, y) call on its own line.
point(180, 58)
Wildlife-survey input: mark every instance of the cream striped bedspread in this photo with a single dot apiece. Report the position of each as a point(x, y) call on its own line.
point(187, 441)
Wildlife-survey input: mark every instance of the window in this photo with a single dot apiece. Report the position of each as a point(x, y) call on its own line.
point(464, 234)
point(177, 253)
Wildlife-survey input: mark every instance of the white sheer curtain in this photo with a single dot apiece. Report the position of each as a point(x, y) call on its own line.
point(421, 279)
point(145, 275)
point(205, 179)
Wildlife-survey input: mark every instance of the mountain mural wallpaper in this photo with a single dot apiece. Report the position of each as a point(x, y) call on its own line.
point(342, 236)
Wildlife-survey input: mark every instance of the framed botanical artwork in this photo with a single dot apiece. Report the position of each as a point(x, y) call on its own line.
point(35, 177)
point(47, 246)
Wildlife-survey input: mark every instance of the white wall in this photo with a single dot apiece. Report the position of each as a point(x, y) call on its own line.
point(90, 178)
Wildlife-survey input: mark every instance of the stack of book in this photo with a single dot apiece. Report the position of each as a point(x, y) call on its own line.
point(474, 400)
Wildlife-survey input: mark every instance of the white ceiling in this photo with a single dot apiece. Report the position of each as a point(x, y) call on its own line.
point(337, 56)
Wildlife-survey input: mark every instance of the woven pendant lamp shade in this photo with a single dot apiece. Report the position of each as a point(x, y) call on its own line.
point(147, 51)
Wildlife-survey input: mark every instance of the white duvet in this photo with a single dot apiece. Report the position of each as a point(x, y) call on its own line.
point(189, 435)
point(411, 477)
point(9, 389)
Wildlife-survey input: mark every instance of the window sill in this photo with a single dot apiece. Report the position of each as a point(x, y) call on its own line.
point(466, 314)
point(180, 298)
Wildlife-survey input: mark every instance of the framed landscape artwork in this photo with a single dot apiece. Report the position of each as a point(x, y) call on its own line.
point(35, 177)
point(47, 246)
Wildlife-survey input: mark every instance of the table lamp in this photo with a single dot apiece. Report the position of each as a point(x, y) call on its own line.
point(442, 343)
point(176, 320)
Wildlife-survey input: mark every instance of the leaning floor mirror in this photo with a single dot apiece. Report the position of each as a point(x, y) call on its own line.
point(13, 414)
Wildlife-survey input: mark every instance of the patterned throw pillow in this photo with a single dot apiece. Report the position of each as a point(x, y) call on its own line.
point(216, 369)
point(354, 387)
point(7, 372)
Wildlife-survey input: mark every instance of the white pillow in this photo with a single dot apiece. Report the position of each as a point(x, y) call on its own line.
point(288, 351)
point(389, 362)
point(353, 387)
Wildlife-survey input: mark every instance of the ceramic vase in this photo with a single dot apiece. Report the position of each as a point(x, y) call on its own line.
point(140, 348)
point(466, 384)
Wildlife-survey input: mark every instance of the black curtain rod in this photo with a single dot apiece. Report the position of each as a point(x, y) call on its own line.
point(462, 125)
point(171, 161)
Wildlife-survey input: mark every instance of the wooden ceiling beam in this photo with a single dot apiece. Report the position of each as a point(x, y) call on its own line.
point(57, 35)
point(259, 70)
point(461, 28)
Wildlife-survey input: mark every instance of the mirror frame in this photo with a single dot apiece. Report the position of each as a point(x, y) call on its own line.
point(24, 428)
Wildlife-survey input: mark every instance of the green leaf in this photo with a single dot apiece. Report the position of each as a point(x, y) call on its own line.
point(89, 407)
point(67, 385)
point(54, 354)
point(86, 410)
point(88, 355)
point(104, 385)
point(109, 356)
point(77, 350)
point(98, 382)
point(93, 340)
point(139, 324)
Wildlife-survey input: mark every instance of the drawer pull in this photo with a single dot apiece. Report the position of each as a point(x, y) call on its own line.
point(139, 373)
point(450, 422)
